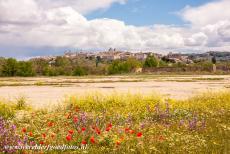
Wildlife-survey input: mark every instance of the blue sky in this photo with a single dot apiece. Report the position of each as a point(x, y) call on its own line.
point(49, 27)
point(147, 12)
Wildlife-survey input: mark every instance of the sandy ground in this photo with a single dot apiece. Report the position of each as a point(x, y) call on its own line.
point(47, 95)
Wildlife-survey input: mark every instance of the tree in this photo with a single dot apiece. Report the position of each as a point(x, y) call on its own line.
point(25, 69)
point(214, 59)
point(151, 61)
point(115, 67)
point(39, 65)
point(98, 60)
point(118, 67)
point(61, 61)
point(163, 63)
point(214, 64)
point(63, 66)
point(79, 71)
point(9, 68)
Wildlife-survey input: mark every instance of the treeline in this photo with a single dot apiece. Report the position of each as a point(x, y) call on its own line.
point(62, 66)
point(72, 67)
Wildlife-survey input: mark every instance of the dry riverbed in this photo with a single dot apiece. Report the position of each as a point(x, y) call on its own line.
point(49, 91)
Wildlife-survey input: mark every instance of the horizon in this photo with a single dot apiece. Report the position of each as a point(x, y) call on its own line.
point(48, 27)
point(96, 52)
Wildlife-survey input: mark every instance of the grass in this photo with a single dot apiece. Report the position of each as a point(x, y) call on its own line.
point(126, 123)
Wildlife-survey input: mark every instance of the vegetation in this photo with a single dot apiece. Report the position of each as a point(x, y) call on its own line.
point(119, 67)
point(151, 61)
point(63, 66)
point(125, 123)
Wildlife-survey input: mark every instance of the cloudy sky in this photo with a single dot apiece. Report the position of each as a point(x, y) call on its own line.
point(44, 27)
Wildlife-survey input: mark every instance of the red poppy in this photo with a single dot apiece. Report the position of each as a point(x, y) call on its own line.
point(110, 125)
point(41, 142)
point(83, 129)
point(50, 124)
point(23, 130)
point(92, 140)
point(126, 130)
point(75, 119)
point(118, 143)
point(139, 134)
point(44, 135)
point(98, 131)
point(71, 132)
point(30, 134)
point(68, 137)
point(83, 142)
point(108, 129)
point(131, 131)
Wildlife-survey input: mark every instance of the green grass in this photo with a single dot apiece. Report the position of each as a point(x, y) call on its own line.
point(197, 125)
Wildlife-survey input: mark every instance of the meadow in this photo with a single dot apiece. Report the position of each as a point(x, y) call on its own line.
point(121, 123)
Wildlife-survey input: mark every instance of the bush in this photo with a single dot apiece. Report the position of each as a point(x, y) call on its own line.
point(151, 61)
point(79, 71)
point(25, 69)
point(50, 71)
point(9, 67)
point(119, 67)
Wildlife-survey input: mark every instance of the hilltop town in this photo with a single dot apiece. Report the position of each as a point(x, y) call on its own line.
point(113, 54)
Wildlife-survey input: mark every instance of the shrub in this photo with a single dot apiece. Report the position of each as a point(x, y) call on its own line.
point(21, 103)
point(119, 67)
point(151, 61)
point(79, 71)
point(25, 69)
point(9, 67)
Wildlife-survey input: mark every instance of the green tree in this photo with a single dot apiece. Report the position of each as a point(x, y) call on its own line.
point(98, 60)
point(214, 59)
point(9, 67)
point(151, 61)
point(61, 62)
point(79, 71)
point(50, 71)
point(25, 69)
point(40, 66)
point(63, 66)
point(118, 67)
point(163, 63)
point(115, 67)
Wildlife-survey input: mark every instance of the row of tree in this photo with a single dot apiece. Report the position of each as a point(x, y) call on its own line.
point(66, 66)
point(82, 66)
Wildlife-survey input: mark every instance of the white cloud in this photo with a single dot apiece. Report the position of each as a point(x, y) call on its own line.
point(209, 13)
point(60, 24)
point(210, 24)
point(81, 6)
point(198, 39)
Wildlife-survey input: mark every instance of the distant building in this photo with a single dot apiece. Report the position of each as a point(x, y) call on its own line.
point(141, 56)
point(126, 55)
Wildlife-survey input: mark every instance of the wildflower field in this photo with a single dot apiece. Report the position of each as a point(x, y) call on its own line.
point(121, 123)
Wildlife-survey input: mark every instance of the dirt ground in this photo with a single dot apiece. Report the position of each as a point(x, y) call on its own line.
point(47, 92)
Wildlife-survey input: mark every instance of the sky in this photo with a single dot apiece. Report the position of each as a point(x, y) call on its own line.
point(49, 27)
